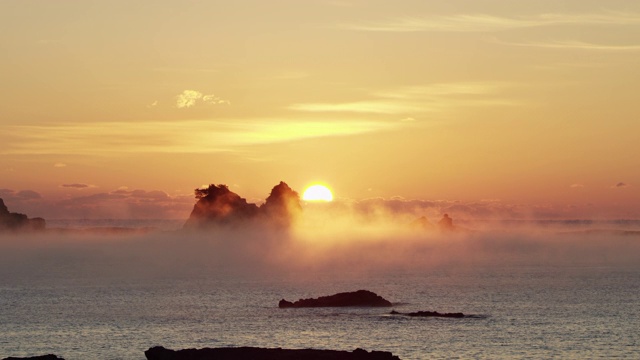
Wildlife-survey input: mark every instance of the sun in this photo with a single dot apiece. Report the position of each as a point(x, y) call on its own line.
point(317, 193)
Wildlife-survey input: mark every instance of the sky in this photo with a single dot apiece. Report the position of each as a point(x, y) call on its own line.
point(120, 109)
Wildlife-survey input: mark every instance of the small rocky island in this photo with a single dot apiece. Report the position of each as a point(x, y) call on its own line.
point(429, 314)
point(39, 357)
point(363, 298)
point(10, 221)
point(254, 353)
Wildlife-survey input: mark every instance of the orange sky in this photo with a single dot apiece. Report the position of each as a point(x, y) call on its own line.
point(529, 103)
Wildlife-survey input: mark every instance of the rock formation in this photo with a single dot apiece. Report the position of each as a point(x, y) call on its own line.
point(217, 205)
point(446, 223)
point(17, 222)
point(41, 357)
point(282, 205)
point(357, 298)
point(429, 314)
point(422, 223)
point(253, 353)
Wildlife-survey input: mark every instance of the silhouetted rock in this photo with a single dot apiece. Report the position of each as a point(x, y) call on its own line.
point(429, 314)
point(41, 357)
point(283, 205)
point(446, 223)
point(254, 353)
point(422, 223)
point(217, 205)
point(18, 222)
point(356, 298)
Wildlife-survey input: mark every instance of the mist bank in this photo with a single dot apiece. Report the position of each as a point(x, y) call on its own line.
point(340, 246)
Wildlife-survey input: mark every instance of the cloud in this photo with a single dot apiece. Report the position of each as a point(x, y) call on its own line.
point(575, 45)
point(189, 98)
point(212, 99)
point(121, 204)
point(185, 70)
point(28, 195)
point(59, 165)
point(75, 185)
point(576, 186)
point(124, 204)
point(491, 23)
point(620, 185)
point(402, 210)
point(228, 135)
point(20, 200)
point(375, 107)
point(185, 136)
point(419, 99)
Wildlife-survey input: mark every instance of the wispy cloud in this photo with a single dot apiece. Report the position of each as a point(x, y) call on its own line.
point(22, 195)
point(76, 186)
point(185, 136)
point(376, 107)
point(189, 98)
point(59, 165)
point(418, 99)
point(185, 70)
point(575, 45)
point(492, 23)
point(620, 185)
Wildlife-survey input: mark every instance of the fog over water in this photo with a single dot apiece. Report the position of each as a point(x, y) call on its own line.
point(320, 242)
point(539, 289)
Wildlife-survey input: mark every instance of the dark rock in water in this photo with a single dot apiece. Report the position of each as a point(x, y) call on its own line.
point(446, 223)
point(217, 205)
point(253, 353)
point(18, 222)
point(422, 223)
point(356, 298)
point(41, 357)
point(429, 314)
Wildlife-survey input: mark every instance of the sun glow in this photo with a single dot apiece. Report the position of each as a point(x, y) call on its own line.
point(317, 193)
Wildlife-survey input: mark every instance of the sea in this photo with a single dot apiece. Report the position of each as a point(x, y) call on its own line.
point(98, 297)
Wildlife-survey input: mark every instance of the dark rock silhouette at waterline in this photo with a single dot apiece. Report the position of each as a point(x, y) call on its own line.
point(357, 298)
point(18, 222)
point(254, 353)
point(41, 357)
point(429, 314)
point(219, 206)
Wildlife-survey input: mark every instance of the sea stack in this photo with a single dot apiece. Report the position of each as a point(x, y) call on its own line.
point(362, 298)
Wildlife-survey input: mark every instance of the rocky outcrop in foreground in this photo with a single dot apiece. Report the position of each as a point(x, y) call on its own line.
point(356, 298)
point(429, 314)
point(253, 353)
point(219, 206)
point(17, 222)
point(41, 357)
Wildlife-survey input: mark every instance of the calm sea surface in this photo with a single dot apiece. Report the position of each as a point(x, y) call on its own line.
point(84, 310)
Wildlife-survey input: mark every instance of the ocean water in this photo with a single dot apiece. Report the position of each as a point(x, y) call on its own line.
point(103, 303)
